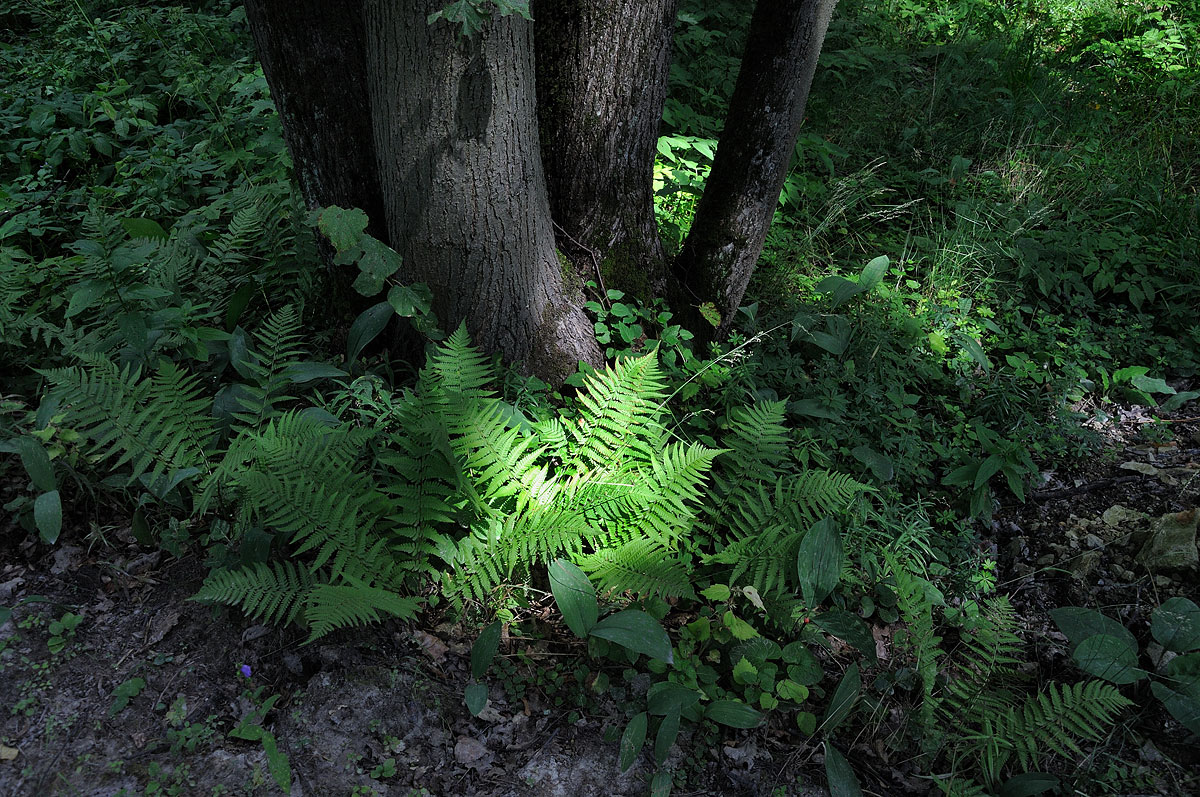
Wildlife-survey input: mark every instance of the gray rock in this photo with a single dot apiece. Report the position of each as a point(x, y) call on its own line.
point(1172, 542)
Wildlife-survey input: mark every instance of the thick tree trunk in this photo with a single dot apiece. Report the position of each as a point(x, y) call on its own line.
point(455, 127)
point(753, 156)
point(601, 84)
point(312, 53)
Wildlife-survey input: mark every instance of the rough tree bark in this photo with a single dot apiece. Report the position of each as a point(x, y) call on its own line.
point(601, 84)
point(753, 156)
point(455, 129)
point(313, 55)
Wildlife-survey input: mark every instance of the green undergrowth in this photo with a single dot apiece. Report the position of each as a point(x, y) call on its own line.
point(984, 240)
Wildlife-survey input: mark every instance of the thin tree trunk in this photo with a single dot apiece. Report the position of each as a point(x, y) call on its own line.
point(753, 156)
point(601, 84)
point(312, 53)
point(454, 123)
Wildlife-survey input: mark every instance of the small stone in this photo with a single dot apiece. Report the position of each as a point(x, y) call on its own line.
point(472, 753)
point(1119, 516)
point(1082, 565)
point(1046, 559)
point(1093, 541)
point(1172, 543)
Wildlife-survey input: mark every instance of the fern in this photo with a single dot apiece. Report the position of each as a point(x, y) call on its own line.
point(270, 594)
point(267, 370)
point(158, 425)
point(621, 411)
point(642, 567)
point(915, 600)
point(334, 606)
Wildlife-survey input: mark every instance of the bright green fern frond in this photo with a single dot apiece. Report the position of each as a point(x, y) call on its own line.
point(642, 567)
point(458, 369)
point(333, 606)
point(540, 535)
point(269, 594)
point(621, 411)
point(820, 493)
point(499, 458)
point(158, 425)
point(676, 475)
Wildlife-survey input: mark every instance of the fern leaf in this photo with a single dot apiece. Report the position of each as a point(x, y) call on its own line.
point(269, 594)
point(334, 606)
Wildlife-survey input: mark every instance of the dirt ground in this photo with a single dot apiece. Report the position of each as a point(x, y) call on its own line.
point(140, 694)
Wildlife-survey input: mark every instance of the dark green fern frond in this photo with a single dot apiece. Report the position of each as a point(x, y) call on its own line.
point(266, 369)
point(1053, 719)
point(158, 425)
point(641, 567)
point(764, 529)
point(621, 412)
point(268, 594)
point(915, 599)
point(757, 440)
point(334, 606)
point(820, 493)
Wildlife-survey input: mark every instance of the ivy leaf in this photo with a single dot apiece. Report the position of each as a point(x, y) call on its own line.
point(344, 228)
point(1176, 625)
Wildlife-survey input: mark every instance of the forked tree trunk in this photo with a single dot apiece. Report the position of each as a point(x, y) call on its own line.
point(753, 156)
point(601, 84)
point(313, 55)
point(455, 126)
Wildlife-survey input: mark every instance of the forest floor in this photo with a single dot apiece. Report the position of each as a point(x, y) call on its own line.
point(140, 696)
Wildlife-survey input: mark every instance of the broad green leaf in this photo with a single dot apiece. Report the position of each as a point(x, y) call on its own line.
point(803, 667)
point(1078, 623)
point(819, 561)
point(990, 467)
point(1179, 399)
point(667, 696)
point(848, 627)
point(47, 516)
point(1027, 784)
point(880, 465)
point(144, 228)
point(632, 741)
point(409, 301)
point(1176, 625)
point(476, 696)
point(844, 699)
point(237, 304)
point(84, 296)
point(277, 762)
point(717, 592)
point(36, 460)
point(344, 228)
point(1182, 707)
point(873, 273)
point(637, 631)
point(733, 713)
point(1128, 374)
point(1109, 658)
point(1152, 385)
point(575, 596)
point(972, 347)
point(668, 732)
point(839, 289)
point(842, 782)
point(365, 328)
point(806, 721)
point(310, 371)
point(484, 650)
point(1184, 672)
point(661, 784)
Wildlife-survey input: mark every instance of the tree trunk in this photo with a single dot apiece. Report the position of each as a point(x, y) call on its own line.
point(455, 127)
point(312, 53)
point(601, 84)
point(753, 156)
